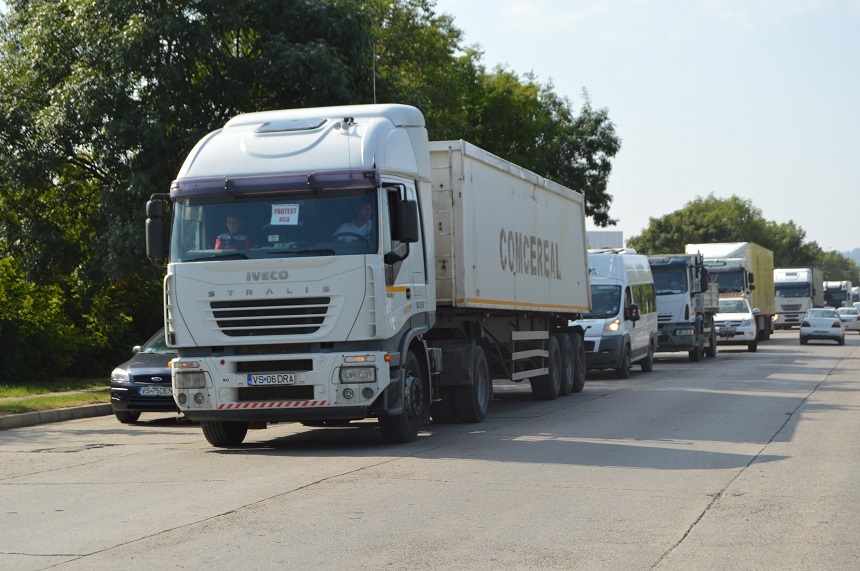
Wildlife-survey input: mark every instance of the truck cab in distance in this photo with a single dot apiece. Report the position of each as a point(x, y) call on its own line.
point(797, 291)
point(621, 327)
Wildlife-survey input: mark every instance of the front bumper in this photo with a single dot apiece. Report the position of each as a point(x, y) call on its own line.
point(603, 352)
point(127, 397)
point(739, 335)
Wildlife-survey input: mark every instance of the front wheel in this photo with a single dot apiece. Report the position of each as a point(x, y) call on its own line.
point(647, 363)
point(752, 347)
point(222, 434)
point(711, 350)
point(623, 372)
point(404, 427)
point(126, 417)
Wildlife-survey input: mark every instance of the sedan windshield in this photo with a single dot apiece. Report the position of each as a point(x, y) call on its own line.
point(734, 306)
point(818, 313)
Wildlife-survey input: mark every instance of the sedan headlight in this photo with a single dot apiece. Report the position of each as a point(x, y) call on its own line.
point(189, 380)
point(120, 375)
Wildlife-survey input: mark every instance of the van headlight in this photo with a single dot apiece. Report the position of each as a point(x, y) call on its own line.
point(612, 326)
point(189, 380)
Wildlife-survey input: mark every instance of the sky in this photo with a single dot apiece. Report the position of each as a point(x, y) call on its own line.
point(754, 98)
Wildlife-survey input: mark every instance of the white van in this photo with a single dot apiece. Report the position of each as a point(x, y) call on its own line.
point(622, 326)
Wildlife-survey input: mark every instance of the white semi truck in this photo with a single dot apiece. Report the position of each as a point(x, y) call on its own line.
point(743, 270)
point(686, 304)
point(797, 290)
point(363, 272)
point(837, 294)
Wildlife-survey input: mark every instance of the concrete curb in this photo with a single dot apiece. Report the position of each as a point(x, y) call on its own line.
point(56, 415)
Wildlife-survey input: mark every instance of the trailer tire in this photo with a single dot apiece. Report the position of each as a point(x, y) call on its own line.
point(623, 372)
point(579, 366)
point(224, 434)
point(568, 363)
point(404, 427)
point(547, 387)
point(472, 401)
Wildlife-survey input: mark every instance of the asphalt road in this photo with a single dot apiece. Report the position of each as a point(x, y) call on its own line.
point(747, 461)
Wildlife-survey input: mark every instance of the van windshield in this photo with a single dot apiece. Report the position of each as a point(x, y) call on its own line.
point(605, 301)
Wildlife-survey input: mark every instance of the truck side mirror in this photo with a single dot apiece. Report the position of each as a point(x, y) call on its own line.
point(407, 228)
point(631, 312)
point(154, 229)
point(752, 277)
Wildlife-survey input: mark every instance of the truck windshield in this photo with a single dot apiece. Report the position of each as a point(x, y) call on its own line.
point(793, 290)
point(669, 280)
point(605, 301)
point(728, 281)
point(310, 223)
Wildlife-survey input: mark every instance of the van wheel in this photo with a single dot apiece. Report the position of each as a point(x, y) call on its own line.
point(547, 387)
point(568, 363)
point(647, 363)
point(623, 372)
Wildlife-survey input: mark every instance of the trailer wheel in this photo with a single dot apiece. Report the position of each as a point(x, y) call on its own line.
point(404, 427)
point(568, 364)
point(623, 372)
point(579, 365)
point(547, 387)
point(472, 401)
point(222, 434)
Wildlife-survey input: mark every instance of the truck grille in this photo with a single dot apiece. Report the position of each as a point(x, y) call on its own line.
point(256, 318)
point(790, 307)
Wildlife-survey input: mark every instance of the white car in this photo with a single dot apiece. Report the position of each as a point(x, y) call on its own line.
point(850, 317)
point(822, 323)
point(735, 324)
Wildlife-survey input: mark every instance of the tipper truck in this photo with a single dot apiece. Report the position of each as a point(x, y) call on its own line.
point(837, 294)
point(687, 301)
point(743, 270)
point(328, 265)
point(797, 290)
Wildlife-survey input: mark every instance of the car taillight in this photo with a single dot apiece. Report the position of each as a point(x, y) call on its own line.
point(805, 324)
point(836, 324)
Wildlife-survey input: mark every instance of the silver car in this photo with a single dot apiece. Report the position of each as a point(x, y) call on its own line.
point(822, 323)
point(850, 317)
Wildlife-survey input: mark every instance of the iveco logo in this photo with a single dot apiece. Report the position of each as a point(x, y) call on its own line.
point(266, 276)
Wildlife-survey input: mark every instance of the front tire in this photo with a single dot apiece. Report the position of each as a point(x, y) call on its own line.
point(647, 363)
point(404, 427)
point(126, 417)
point(752, 347)
point(711, 350)
point(623, 372)
point(222, 434)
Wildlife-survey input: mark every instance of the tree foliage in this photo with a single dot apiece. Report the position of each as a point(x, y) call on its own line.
point(710, 219)
point(101, 100)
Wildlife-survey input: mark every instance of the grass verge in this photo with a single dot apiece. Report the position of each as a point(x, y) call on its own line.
point(24, 390)
point(51, 402)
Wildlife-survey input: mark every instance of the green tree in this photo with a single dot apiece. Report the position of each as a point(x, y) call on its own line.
point(709, 220)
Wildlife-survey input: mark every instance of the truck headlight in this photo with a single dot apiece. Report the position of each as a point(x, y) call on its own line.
point(189, 380)
point(358, 374)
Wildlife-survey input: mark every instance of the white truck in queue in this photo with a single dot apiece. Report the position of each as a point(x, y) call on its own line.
point(797, 290)
point(837, 294)
point(687, 301)
point(330, 264)
point(742, 270)
point(621, 328)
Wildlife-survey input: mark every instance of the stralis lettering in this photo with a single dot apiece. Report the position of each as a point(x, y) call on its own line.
point(524, 254)
point(266, 276)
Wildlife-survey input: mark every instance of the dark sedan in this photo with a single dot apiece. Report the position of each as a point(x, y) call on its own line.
point(143, 383)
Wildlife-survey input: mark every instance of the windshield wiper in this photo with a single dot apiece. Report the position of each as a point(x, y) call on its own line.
point(317, 252)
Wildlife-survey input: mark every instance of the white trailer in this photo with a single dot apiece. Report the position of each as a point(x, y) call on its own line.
point(386, 277)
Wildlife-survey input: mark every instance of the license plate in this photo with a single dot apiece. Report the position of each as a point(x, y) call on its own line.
point(726, 330)
point(814, 332)
point(156, 392)
point(272, 379)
